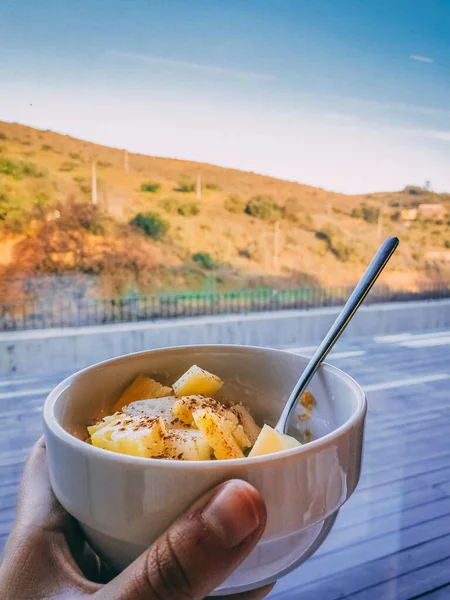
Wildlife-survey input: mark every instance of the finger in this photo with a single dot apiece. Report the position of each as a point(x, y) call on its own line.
point(38, 511)
point(44, 536)
point(253, 595)
point(199, 551)
point(37, 505)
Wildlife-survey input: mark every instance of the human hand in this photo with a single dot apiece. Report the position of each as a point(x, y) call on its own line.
point(46, 555)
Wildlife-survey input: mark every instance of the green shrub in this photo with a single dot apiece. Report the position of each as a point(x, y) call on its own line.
point(413, 190)
point(341, 250)
point(447, 243)
point(190, 209)
point(75, 156)
point(212, 186)
point(369, 213)
point(66, 167)
point(76, 215)
point(152, 224)
point(170, 205)
point(234, 204)
point(185, 186)
point(3, 136)
point(18, 207)
point(46, 147)
point(30, 169)
point(335, 243)
point(150, 186)
point(263, 207)
point(204, 260)
point(323, 235)
point(104, 164)
point(10, 167)
point(10, 216)
point(244, 253)
point(18, 169)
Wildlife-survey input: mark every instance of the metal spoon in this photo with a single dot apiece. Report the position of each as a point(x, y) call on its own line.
point(372, 273)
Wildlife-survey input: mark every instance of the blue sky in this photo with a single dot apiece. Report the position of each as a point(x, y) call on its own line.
point(350, 95)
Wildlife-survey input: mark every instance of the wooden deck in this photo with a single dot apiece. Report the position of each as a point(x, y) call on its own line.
point(392, 539)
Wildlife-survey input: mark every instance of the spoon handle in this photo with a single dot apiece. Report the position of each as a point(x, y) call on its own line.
point(364, 286)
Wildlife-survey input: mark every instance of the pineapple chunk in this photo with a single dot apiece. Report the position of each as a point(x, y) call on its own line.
point(236, 429)
point(196, 381)
point(270, 441)
point(217, 433)
point(142, 388)
point(182, 409)
point(290, 442)
point(187, 444)
point(248, 423)
point(93, 428)
point(133, 435)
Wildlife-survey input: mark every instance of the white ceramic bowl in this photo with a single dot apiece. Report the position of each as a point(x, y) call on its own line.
point(124, 503)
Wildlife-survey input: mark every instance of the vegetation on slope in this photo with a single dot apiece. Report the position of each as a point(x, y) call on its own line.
point(162, 223)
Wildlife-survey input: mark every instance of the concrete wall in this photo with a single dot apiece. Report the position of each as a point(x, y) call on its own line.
point(62, 350)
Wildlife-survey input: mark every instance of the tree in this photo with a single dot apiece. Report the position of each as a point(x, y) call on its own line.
point(151, 224)
point(205, 260)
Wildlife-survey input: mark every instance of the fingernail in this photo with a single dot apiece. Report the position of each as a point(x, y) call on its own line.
point(232, 515)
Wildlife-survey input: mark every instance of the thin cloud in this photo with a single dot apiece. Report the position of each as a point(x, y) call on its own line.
point(430, 111)
point(443, 136)
point(353, 102)
point(423, 59)
point(181, 64)
point(430, 134)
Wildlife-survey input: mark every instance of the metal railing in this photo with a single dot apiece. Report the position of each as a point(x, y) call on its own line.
point(59, 312)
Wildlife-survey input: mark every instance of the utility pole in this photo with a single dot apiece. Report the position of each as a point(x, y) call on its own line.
point(94, 183)
point(198, 187)
point(125, 161)
point(276, 246)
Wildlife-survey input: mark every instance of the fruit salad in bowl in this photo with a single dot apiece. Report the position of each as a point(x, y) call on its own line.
point(184, 422)
point(167, 425)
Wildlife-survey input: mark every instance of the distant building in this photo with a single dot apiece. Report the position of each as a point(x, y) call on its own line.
point(437, 256)
point(409, 214)
point(431, 211)
point(426, 211)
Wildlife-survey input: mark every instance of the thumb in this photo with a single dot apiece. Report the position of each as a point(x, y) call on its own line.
point(198, 551)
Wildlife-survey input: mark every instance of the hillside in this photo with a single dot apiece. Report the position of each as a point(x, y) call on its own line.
point(245, 230)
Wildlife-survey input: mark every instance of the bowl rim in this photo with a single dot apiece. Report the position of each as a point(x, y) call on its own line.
point(52, 425)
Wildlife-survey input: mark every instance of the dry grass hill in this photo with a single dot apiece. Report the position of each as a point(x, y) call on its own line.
point(160, 223)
